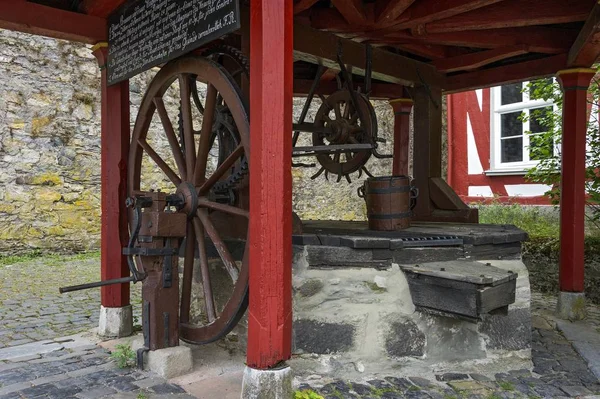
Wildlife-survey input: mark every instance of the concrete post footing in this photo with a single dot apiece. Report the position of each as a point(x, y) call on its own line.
point(115, 322)
point(571, 306)
point(267, 384)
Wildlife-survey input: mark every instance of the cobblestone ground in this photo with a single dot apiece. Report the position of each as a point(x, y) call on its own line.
point(32, 309)
point(84, 372)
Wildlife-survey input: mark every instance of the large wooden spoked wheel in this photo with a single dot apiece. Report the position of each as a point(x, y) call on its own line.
point(214, 283)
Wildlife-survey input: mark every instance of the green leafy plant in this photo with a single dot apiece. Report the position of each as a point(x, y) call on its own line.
point(123, 355)
point(507, 386)
point(546, 146)
point(141, 395)
point(307, 394)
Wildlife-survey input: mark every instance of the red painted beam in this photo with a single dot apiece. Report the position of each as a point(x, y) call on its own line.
point(424, 11)
point(574, 83)
point(100, 8)
point(352, 10)
point(378, 90)
point(511, 13)
point(586, 48)
point(537, 39)
point(114, 151)
point(389, 10)
point(270, 235)
point(539, 68)
point(37, 19)
point(476, 60)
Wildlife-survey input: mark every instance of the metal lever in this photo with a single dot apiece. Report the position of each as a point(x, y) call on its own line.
point(86, 286)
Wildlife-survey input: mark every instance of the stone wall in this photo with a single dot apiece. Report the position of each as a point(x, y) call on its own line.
point(50, 149)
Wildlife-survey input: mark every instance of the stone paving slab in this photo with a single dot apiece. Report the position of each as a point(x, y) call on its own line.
point(585, 340)
point(80, 372)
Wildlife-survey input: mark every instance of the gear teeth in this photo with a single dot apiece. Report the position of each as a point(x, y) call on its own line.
point(360, 172)
point(348, 178)
point(326, 175)
point(364, 168)
point(339, 178)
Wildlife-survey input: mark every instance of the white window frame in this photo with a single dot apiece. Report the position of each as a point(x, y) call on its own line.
point(496, 109)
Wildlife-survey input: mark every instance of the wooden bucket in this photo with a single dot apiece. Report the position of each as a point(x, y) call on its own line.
point(390, 200)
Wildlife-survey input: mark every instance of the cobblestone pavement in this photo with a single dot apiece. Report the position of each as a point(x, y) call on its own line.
point(32, 309)
point(79, 372)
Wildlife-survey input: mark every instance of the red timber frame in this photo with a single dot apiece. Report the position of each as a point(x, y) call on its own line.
point(574, 83)
point(114, 148)
point(270, 234)
point(416, 44)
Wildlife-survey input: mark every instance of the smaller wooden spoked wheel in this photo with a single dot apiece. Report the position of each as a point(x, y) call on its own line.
point(214, 144)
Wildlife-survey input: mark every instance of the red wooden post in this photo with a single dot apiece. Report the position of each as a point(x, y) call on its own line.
point(271, 88)
point(402, 108)
point(574, 83)
point(114, 148)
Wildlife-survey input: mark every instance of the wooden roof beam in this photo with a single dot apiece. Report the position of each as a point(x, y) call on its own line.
point(100, 8)
point(425, 11)
point(352, 11)
point(511, 13)
point(37, 19)
point(538, 39)
point(586, 48)
point(476, 60)
point(389, 10)
point(535, 69)
point(320, 47)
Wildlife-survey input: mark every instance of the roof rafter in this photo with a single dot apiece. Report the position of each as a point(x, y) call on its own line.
point(535, 69)
point(512, 13)
point(425, 11)
point(352, 10)
point(477, 60)
point(100, 8)
point(389, 10)
point(586, 48)
point(539, 39)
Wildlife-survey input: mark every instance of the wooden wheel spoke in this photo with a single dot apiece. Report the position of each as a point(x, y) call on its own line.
point(205, 135)
point(222, 169)
point(188, 127)
point(354, 118)
point(338, 112)
point(188, 269)
point(170, 133)
point(160, 162)
point(224, 253)
point(232, 210)
point(347, 108)
point(209, 300)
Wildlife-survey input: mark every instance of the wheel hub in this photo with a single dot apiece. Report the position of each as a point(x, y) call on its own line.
point(188, 193)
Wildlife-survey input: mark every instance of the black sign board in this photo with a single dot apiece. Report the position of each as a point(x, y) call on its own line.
point(146, 33)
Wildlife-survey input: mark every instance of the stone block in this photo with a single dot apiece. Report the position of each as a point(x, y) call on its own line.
point(571, 306)
point(314, 336)
point(267, 384)
point(404, 338)
point(115, 322)
point(169, 362)
point(510, 332)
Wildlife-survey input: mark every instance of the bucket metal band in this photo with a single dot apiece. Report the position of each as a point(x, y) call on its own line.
point(390, 216)
point(388, 190)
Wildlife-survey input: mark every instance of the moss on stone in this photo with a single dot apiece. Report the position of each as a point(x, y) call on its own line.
point(46, 179)
point(375, 288)
point(38, 124)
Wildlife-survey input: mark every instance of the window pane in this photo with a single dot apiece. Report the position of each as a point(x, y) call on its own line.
point(511, 125)
point(511, 93)
point(535, 119)
point(512, 149)
point(541, 146)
